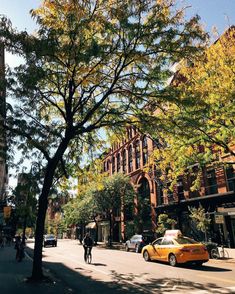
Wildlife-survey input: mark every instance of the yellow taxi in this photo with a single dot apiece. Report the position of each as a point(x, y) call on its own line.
point(175, 248)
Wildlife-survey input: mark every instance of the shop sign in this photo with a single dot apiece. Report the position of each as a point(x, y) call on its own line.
point(219, 219)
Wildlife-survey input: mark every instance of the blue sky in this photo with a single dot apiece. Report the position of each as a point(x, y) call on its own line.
point(213, 12)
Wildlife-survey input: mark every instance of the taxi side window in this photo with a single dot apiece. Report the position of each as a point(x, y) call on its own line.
point(167, 242)
point(158, 242)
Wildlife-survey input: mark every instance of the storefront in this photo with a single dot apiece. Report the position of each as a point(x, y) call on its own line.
point(219, 207)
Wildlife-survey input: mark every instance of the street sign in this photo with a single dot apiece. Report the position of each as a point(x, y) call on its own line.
point(7, 211)
point(219, 219)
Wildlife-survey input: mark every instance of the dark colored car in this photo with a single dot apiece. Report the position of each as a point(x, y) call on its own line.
point(136, 243)
point(50, 240)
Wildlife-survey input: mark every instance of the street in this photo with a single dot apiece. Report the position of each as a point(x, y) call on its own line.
point(114, 271)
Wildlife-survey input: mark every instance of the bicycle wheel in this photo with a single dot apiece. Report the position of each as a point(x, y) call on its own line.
point(215, 253)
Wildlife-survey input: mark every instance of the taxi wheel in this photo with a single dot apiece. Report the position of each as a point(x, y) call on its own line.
point(172, 260)
point(146, 256)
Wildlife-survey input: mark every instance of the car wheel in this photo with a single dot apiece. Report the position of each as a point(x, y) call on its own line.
point(146, 256)
point(172, 260)
point(127, 248)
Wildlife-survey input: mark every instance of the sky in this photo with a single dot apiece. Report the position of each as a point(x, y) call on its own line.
point(213, 13)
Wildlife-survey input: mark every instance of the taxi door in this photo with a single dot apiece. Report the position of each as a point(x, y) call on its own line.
point(167, 246)
point(156, 249)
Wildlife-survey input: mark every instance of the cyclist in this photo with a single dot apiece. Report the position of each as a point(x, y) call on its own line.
point(87, 245)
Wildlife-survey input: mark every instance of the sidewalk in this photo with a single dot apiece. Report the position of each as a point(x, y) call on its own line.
point(13, 276)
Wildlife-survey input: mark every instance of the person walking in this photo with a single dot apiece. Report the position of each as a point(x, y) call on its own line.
point(87, 245)
point(19, 246)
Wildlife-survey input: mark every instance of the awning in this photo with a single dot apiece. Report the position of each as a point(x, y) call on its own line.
point(91, 225)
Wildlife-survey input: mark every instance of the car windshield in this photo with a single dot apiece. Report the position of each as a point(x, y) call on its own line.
point(50, 237)
point(185, 240)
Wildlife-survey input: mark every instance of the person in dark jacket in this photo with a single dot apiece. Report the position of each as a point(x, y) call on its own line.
point(87, 243)
point(19, 246)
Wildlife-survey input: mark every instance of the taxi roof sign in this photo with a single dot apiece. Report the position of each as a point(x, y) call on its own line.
point(173, 233)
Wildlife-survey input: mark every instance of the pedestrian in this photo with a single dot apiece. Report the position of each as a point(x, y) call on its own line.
point(19, 246)
point(87, 245)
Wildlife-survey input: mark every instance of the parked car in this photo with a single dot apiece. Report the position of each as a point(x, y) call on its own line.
point(137, 242)
point(175, 248)
point(50, 240)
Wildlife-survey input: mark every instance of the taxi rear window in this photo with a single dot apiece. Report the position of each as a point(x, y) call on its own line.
point(184, 240)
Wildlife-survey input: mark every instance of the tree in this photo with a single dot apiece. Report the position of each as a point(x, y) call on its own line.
point(200, 218)
point(199, 123)
point(114, 198)
point(164, 223)
point(25, 201)
point(91, 65)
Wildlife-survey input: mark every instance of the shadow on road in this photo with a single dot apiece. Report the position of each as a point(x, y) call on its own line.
point(80, 281)
point(204, 267)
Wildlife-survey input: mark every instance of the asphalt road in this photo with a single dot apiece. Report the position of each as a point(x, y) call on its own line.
point(114, 271)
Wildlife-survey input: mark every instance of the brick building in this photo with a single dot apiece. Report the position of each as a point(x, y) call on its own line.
point(216, 193)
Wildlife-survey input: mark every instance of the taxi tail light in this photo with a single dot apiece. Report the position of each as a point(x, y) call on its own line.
point(204, 248)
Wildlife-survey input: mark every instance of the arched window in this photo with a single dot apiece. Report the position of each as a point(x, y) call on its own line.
point(113, 164)
point(130, 159)
point(118, 162)
point(144, 202)
point(124, 161)
point(137, 154)
point(145, 150)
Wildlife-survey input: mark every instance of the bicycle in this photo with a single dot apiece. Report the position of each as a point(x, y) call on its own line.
point(88, 258)
point(218, 253)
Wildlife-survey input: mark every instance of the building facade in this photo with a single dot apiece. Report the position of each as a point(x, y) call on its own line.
point(216, 194)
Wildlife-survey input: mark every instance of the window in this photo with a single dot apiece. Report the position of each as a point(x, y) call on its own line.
point(230, 175)
point(158, 241)
point(145, 150)
point(118, 162)
point(130, 159)
point(180, 188)
point(211, 183)
point(166, 241)
point(113, 164)
point(137, 154)
point(124, 161)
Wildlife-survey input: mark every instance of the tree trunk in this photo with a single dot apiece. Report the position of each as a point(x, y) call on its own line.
point(37, 273)
point(24, 229)
point(110, 230)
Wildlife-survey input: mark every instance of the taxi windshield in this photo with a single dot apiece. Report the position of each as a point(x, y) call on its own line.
point(185, 240)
